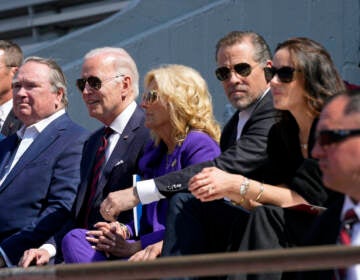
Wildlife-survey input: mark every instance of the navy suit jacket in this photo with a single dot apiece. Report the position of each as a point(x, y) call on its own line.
point(37, 196)
point(118, 171)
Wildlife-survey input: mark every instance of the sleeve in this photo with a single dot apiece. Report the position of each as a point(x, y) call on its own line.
point(247, 157)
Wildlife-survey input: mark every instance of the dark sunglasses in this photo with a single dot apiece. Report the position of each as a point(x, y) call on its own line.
point(93, 81)
point(285, 74)
point(328, 137)
point(243, 69)
point(150, 97)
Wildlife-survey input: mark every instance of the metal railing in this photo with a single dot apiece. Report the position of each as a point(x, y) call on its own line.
point(292, 259)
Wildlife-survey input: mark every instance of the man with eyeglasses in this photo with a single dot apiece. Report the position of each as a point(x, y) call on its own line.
point(241, 57)
point(337, 148)
point(11, 57)
point(109, 85)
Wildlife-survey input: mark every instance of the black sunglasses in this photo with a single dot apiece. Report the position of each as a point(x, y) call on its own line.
point(243, 69)
point(328, 137)
point(150, 97)
point(93, 81)
point(285, 73)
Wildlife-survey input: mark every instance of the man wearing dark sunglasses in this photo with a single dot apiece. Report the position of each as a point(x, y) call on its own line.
point(241, 58)
point(109, 85)
point(338, 150)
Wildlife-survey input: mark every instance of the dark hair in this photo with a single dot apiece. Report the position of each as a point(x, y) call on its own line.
point(353, 105)
point(262, 51)
point(321, 78)
point(13, 54)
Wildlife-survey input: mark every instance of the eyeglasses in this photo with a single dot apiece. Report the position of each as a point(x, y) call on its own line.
point(328, 137)
point(150, 97)
point(93, 81)
point(243, 69)
point(285, 74)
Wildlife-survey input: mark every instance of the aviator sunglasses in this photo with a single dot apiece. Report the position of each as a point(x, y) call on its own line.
point(328, 137)
point(285, 73)
point(243, 69)
point(93, 81)
point(150, 97)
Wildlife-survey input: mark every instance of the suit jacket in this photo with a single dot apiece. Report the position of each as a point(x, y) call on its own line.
point(37, 195)
point(118, 171)
point(325, 231)
point(248, 156)
point(11, 124)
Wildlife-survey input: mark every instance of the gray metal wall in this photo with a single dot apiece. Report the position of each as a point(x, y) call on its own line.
point(186, 31)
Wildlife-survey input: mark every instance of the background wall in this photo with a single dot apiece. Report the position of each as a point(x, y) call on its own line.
point(173, 31)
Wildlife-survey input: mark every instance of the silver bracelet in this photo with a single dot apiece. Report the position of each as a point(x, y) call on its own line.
point(244, 186)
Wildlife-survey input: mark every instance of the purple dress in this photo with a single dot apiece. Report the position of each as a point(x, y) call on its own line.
point(197, 147)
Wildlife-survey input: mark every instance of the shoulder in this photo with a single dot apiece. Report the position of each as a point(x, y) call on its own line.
point(196, 138)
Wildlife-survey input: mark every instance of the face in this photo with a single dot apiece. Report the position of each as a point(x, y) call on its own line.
point(6, 77)
point(107, 102)
point(241, 91)
point(287, 95)
point(157, 116)
point(338, 161)
point(34, 98)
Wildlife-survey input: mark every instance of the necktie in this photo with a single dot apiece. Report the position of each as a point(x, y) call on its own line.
point(96, 172)
point(9, 157)
point(350, 219)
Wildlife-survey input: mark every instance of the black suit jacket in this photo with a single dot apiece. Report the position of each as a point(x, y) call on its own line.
point(248, 156)
point(118, 171)
point(325, 231)
point(11, 124)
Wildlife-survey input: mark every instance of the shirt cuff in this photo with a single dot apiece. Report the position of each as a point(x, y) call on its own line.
point(5, 257)
point(50, 249)
point(148, 192)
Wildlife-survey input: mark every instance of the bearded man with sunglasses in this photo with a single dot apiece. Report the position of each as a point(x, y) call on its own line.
point(241, 57)
point(109, 86)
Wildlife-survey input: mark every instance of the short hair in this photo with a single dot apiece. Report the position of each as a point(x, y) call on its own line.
point(262, 51)
point(123, 64)
point(13, 54)
point(56, 76)
point(188, 99)
point(322, 80)
point(353, 104)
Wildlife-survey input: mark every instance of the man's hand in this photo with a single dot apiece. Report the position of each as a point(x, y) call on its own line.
point(117, 202)
point(34, 256)
point(151, 252)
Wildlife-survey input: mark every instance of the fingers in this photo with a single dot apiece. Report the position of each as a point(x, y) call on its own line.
point(34, 257)
point(106, 209)
point(27, 258)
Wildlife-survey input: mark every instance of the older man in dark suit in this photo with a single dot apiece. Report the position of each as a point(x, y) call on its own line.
point(241, 57)
point(109, 85)
point(11, 57)
point(40, 165)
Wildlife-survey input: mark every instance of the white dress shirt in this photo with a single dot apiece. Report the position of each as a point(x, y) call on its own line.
point(147, 190)
point(4, 111)
point(353, 272)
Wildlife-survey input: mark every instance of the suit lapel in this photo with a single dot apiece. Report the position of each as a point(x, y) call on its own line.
point(11, 124)
point(41, 143)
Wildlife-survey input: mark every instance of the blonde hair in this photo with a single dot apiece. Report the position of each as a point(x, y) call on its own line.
point(186, 95)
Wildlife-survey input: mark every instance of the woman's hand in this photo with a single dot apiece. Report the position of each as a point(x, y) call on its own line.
point(151, 252)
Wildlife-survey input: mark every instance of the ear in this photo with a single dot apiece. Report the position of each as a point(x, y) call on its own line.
point(14, 70)
point(126, 86)
point(59, 97)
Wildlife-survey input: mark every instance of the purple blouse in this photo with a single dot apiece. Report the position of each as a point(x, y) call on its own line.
point(197, 147)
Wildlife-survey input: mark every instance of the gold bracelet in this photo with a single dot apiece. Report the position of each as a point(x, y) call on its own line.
point(260, 192)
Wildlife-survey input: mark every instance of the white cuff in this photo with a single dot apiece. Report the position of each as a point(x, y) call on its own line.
point(49, 248)
point(148, 191)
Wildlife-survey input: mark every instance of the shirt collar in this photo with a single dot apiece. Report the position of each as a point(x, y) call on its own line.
point(118, 125)
point(348, 204)
point(5, 109)
point(41, 125)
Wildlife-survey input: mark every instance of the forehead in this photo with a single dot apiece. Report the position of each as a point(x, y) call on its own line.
point(34, 71)
point(332, 116)
point(282, 57)
point(98, 64)
point(236, 53)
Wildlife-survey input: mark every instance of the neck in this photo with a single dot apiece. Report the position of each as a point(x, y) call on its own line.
point(5, 97)
point(166, 136)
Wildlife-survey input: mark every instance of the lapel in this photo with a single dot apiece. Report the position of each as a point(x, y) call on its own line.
point(121, 149)
point(11, 124)
point(41, 143)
